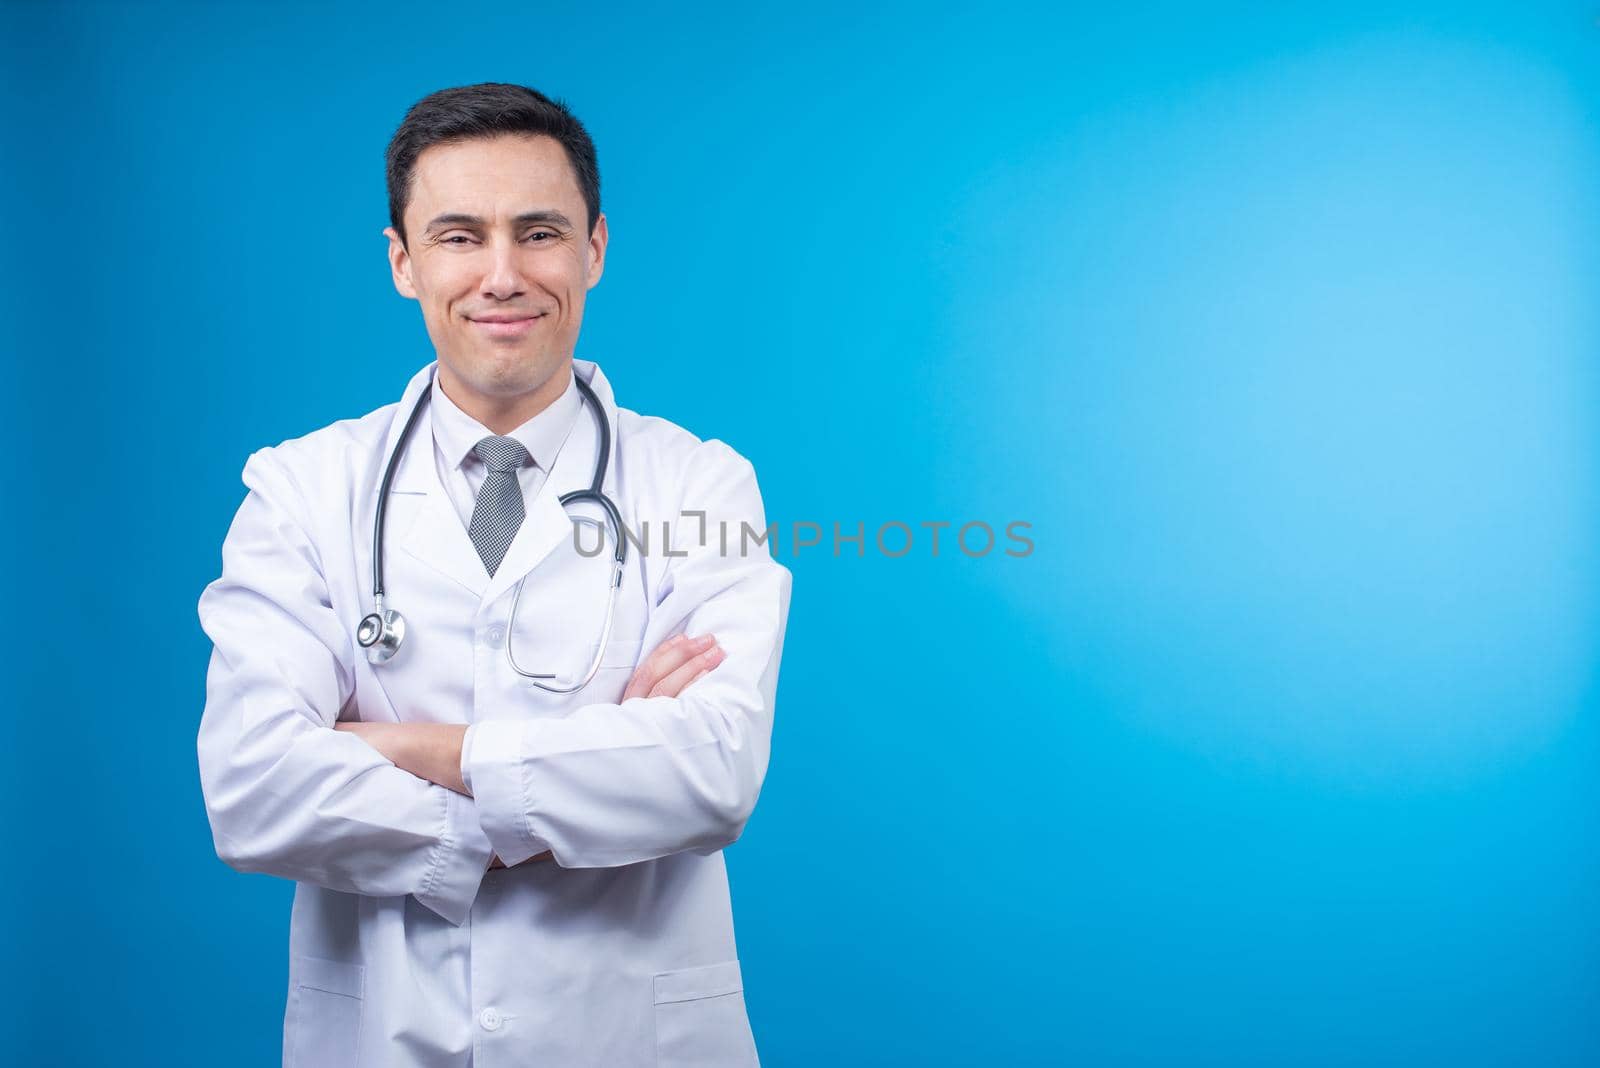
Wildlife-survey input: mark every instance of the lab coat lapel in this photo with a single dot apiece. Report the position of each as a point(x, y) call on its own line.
point(547, 524)
point(425, 523)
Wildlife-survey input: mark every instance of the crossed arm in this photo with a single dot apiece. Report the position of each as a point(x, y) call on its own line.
point(432, 751)
point(383, 815)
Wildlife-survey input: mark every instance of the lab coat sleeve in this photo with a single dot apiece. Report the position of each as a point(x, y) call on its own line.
point(287, 794)
point(614, 784)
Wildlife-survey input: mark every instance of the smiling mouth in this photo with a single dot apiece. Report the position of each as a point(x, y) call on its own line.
point(505, 326)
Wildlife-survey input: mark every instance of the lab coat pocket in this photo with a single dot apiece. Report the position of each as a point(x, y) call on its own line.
point(324, 1013)
point(621, 654)
point(701, 1020)
point(616, 668)
point(610, 677)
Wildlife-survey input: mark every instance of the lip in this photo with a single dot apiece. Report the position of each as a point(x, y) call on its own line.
point(506, 326)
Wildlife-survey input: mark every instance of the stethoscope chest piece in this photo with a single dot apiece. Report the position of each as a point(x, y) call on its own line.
point(380, 634)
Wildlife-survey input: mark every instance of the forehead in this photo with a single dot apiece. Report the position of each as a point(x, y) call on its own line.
point(493, 176)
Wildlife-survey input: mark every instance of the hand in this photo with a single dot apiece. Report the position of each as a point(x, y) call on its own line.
point(676, 664)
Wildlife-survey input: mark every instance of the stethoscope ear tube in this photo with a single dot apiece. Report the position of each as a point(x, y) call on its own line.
point(383, 497)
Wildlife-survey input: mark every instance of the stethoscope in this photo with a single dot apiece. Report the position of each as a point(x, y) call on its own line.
point(381, 632)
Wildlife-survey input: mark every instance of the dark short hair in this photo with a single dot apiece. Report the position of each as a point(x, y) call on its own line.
point(486, 110)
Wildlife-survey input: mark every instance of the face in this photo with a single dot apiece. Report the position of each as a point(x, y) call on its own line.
point(498, 256)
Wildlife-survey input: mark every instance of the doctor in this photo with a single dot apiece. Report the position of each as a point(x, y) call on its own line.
point(491, 872)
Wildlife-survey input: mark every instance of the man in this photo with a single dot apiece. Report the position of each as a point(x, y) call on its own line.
point(492, 868)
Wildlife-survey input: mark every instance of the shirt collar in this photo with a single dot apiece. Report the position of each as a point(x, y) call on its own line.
point(456, 432)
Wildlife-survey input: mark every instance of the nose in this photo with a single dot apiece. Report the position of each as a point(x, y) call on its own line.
point(503, 281)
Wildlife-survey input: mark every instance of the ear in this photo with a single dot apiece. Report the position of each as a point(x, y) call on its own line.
point(596, 250)
point(400, 263)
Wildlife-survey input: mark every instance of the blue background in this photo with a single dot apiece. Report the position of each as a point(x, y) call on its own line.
point(1278, 327)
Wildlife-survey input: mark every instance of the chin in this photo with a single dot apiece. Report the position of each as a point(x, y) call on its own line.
point(506, 373)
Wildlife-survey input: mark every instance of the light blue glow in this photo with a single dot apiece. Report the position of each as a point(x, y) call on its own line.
point(1277, 327)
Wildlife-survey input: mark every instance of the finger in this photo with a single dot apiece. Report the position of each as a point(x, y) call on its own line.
point(673, 684)
point(658, 663)
point(669, 656)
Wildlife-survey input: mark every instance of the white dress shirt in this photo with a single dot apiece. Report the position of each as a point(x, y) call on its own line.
point(455, 434)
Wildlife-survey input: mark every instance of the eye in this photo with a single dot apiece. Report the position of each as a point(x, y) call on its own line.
point(456, 239)
point(539, 233)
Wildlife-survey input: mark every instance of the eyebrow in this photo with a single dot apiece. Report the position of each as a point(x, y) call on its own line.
point(527, 218)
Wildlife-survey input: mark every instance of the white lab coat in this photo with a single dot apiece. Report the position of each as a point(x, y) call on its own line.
point(403, 951)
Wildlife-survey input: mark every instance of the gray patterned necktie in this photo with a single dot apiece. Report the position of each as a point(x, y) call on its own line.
point(498, 511)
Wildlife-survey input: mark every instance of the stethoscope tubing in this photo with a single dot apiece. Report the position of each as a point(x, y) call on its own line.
point(382, 632)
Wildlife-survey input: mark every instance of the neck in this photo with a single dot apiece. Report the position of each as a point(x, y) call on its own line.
point(501, 414)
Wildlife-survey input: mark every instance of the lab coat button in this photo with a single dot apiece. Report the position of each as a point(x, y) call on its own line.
point(494, 636)
point(490, 1019)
